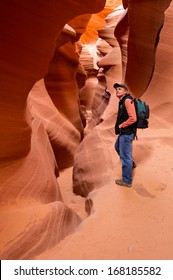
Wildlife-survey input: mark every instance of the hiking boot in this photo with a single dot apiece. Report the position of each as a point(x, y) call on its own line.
point(121, 182)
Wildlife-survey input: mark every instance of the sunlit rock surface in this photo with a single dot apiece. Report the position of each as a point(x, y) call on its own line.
point(63, 136)
point(34, 216)
point(147, 70)
point(43, 124)
point(64, 90)
point(123, 31)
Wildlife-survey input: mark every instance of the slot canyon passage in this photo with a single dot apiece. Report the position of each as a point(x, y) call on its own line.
point(58, 165)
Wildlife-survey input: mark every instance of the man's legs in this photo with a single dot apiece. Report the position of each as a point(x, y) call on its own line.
point(117, 146)
point(123, 147)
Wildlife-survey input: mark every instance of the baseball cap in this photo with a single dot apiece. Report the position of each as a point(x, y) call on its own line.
point(120, 85)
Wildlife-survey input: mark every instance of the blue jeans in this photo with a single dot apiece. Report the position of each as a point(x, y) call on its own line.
point(123, 146)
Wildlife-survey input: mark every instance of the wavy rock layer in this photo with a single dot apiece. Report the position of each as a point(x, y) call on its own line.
point(34, 217)
point(124, 34)
point(134, 223)
point(144, 32)
point(64, 137)
point(41, 129)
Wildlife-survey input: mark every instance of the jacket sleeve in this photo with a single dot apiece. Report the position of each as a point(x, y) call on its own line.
point(130, 107)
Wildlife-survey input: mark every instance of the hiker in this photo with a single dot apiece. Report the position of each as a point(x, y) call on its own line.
point(126, 130)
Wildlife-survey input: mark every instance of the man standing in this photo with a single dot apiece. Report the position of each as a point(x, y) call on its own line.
point(126, 130)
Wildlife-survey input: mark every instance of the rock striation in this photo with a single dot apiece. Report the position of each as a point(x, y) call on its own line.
point(130, 61)
point(34, 216)
point(56, 113)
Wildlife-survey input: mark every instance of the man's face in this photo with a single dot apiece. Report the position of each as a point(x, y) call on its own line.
point(120, 92)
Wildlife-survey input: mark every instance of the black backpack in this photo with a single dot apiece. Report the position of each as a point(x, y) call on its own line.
point(142, 113)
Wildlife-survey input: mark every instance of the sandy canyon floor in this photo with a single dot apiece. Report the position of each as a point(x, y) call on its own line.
point(135, 223)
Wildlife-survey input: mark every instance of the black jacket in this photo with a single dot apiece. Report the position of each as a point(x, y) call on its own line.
point(122, 116)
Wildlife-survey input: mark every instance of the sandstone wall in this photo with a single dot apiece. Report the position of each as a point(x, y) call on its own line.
point(48, 82)
point(136, 57)
point(30, 32)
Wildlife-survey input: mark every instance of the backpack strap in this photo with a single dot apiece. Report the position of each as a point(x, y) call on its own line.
point(128, 96)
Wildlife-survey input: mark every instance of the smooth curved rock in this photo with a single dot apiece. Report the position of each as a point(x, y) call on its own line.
point(63, 136)
point(61, 83)
point(39, 227)
point(159, 92)
point(29, 32)
point(22, 62)
point(93, 167)
point(144, 32)
point(85, 184)
point(33, 216)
